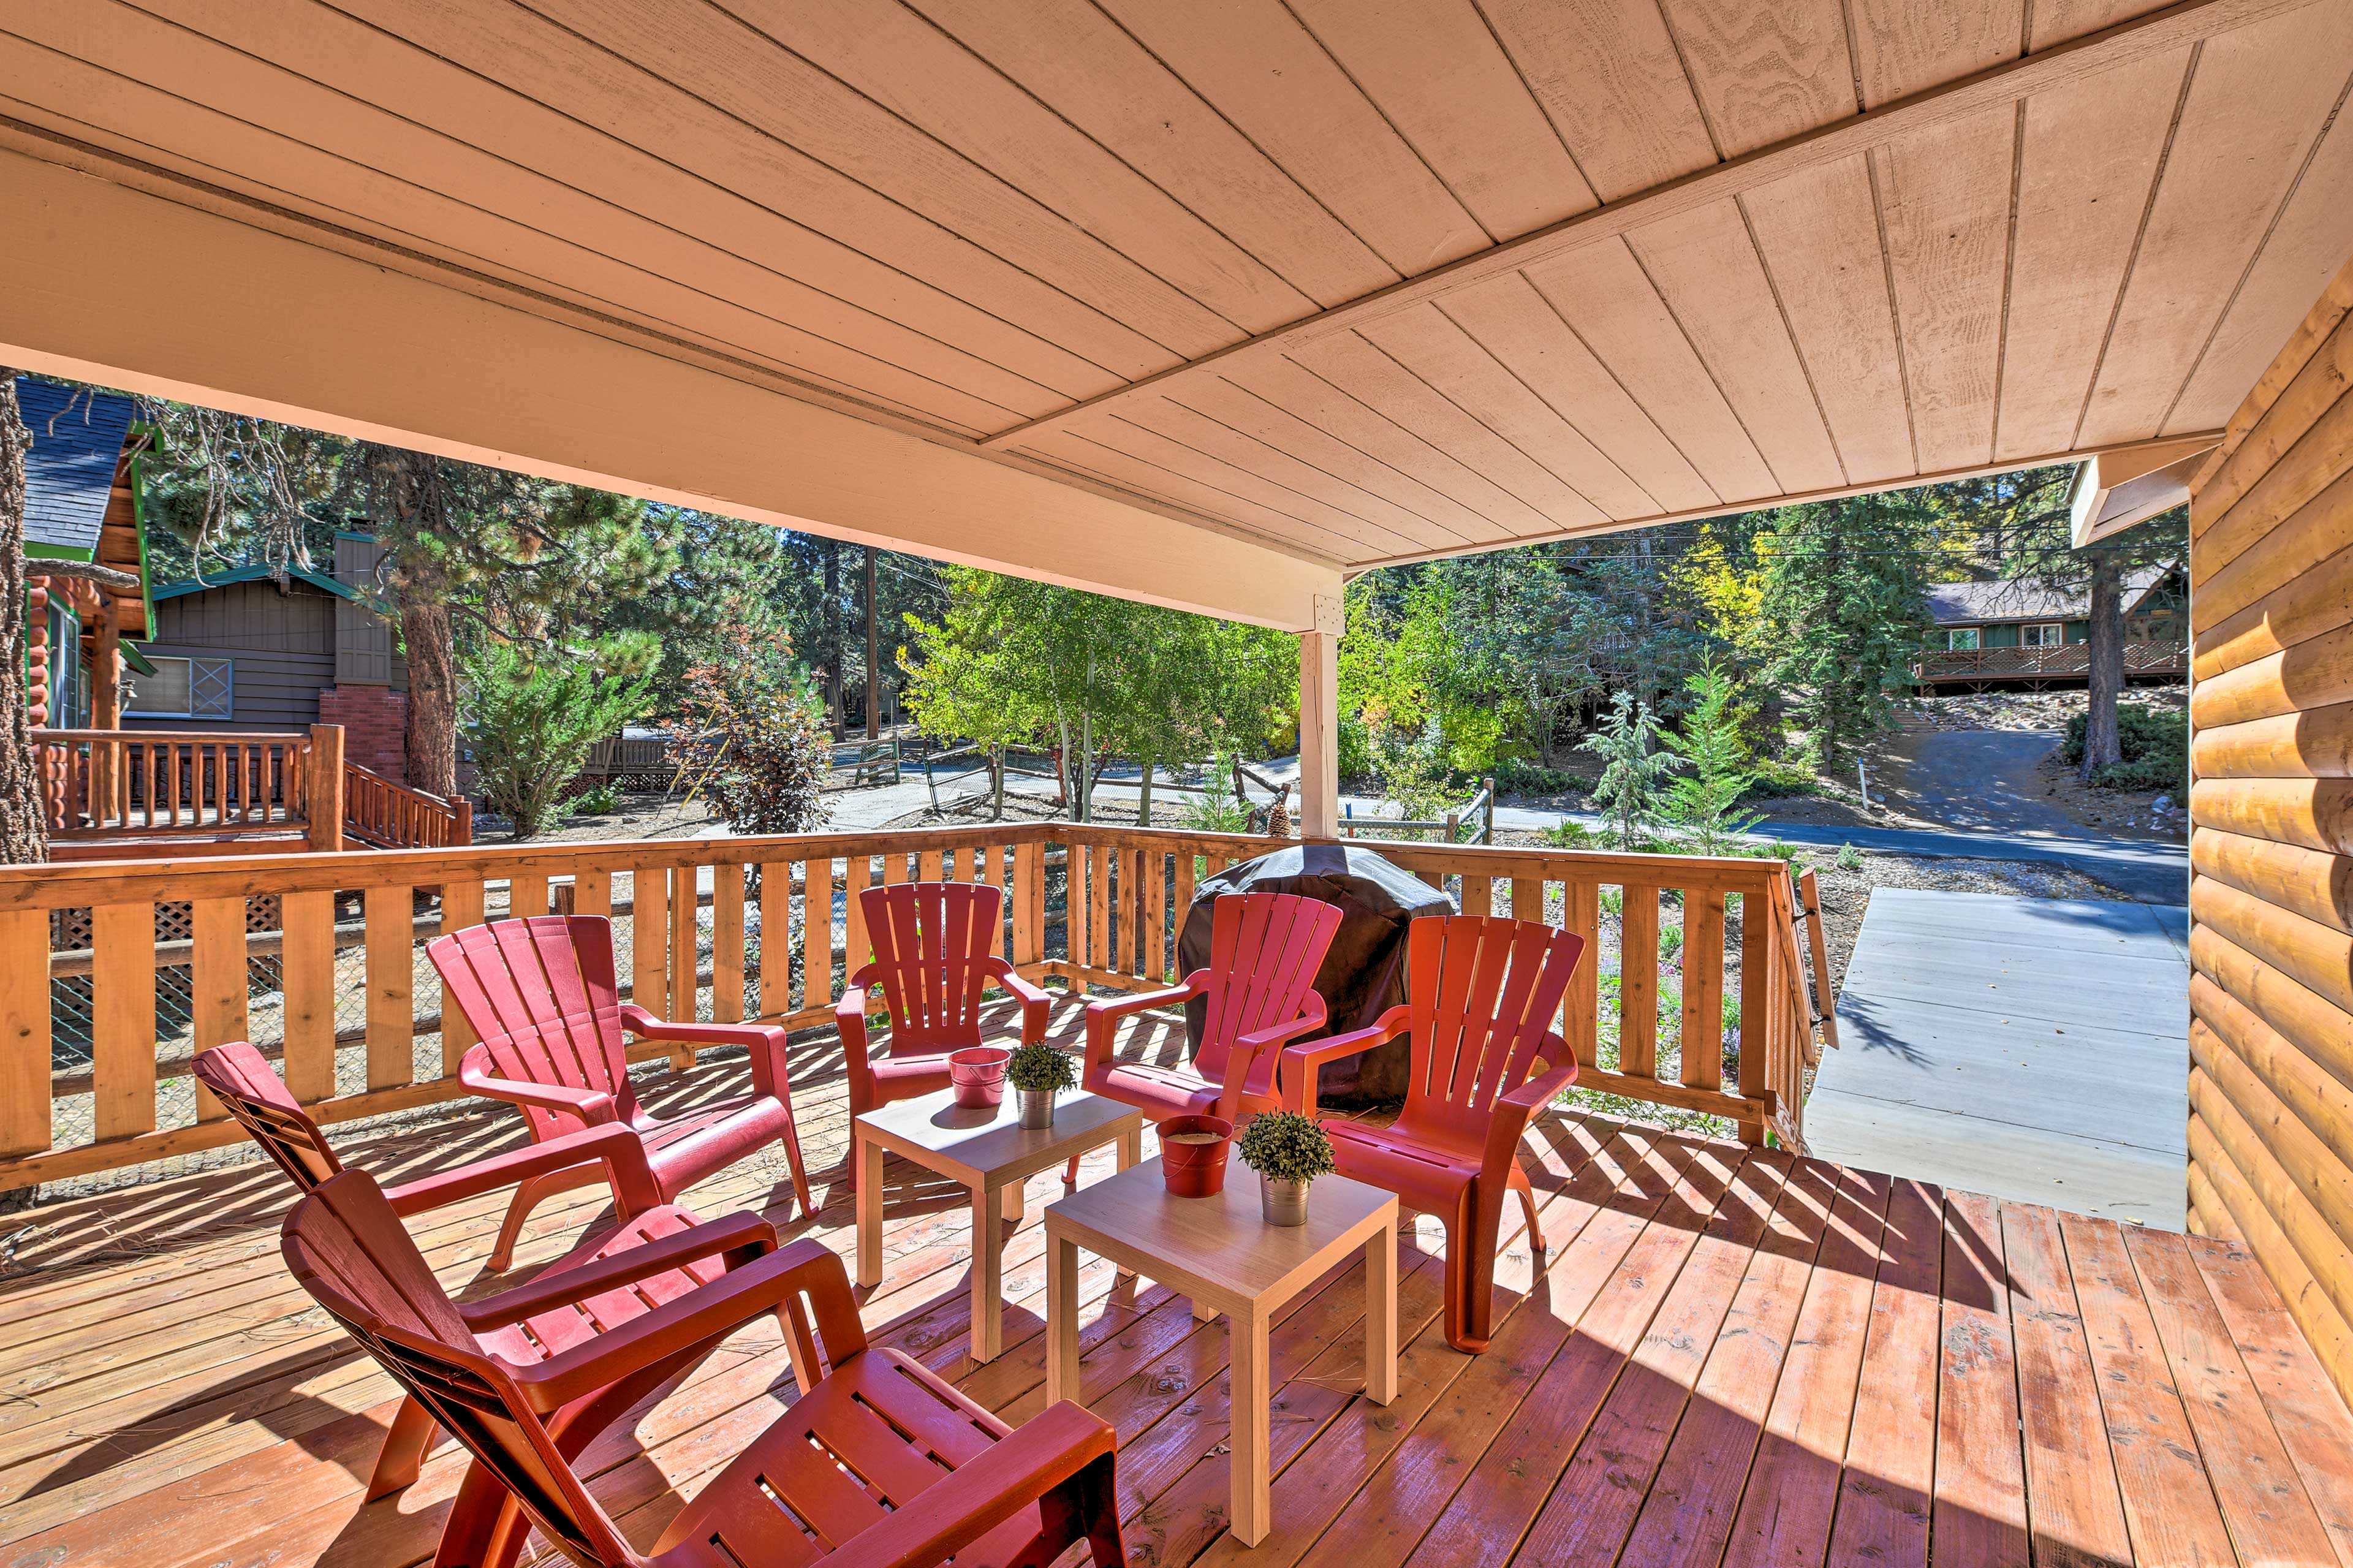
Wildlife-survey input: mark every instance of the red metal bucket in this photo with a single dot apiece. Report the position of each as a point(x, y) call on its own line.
point(977, 1073)
point(1193, 1154)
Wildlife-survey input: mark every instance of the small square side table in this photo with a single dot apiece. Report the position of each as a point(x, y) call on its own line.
point(992, 1155)
point(1221, 1251)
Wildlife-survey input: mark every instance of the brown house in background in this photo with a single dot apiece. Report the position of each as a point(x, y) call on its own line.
point(253, 649)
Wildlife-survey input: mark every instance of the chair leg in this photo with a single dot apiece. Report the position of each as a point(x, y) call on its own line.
point(486, 1526)
point(1527, 1192)
point(1070, 1176)
point(800, 1175)
point(528, 1196)
point(1083, 1508)
point(405, 1448)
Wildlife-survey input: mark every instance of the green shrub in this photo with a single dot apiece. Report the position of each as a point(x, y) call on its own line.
point(1516, 778)
point(1780, 779)
point(2155, 742)
point(1040, 1065)
point(1215, 812)
point(1284, 1146)
point(597, 800)
point(1355, 748)
point(1848, 859)
point(530, 717)
point(1569, 834)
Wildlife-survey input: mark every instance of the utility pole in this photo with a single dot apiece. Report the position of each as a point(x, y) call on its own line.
point(873, 670)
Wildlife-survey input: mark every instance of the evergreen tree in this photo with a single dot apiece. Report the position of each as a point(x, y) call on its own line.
point(1844, 607)
point(1634, 771)
point(1704, 800)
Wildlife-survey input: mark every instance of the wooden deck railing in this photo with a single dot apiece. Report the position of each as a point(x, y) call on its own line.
point(389, 815)
point(2041, 663)
point(227, 785)
point(94, 1040)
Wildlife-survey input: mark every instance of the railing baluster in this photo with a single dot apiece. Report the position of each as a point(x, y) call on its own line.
point(1702, 1034)
point(25, 1125)
point(816, 933)
point(218, 980)
point(461, 908)
point(649, 936)
point(1582, 900)
point(1758, 995)
point(1029, 904)
point(726, 944)
point(391, 914)
point(307, 977)
point(123, 1019)
point(1638, 982)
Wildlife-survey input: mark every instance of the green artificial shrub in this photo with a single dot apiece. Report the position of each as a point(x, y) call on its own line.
point(1040, 1067)
point(1284, 1146)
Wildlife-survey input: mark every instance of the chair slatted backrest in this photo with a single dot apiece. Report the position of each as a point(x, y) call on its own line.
point(1482, 992)
point(252, 1092)
point(349, 1251)
point(1264, 950)
point(541, 992)
point(929, 941)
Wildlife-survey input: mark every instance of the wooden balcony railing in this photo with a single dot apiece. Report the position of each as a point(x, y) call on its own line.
point(1687, 999)
point(387, 815)
point(2040, 663)
point(225, 787)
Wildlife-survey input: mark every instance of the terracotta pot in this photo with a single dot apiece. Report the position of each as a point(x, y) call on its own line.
point(978, 1074)
point(1193, 1154)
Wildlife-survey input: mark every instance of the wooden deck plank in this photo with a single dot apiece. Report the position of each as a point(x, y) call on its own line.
point(1501, 1495)
point(1891, 1451)
point(1980, 1514)
point(2169, 1504)
point(1793, 1484)
point(2304, 1406)
point(1676, 1383)
point(2078, 1512)
point(1687, 1516)
point(2262, 1495)
point(1592, 1511)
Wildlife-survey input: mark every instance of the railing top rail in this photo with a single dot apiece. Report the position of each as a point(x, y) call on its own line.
point(88, 882)
point(157, 737)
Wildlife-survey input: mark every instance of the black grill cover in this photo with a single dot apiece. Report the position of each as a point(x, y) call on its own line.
point(1364, 974)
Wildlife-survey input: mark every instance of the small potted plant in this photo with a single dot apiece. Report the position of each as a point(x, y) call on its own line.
point(1288, 1151)
point(1039, 1072)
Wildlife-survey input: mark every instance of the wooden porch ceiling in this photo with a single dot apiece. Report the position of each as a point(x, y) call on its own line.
point(1345, 282)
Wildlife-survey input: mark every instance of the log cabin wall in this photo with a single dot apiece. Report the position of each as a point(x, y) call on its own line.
point(2271, 1034)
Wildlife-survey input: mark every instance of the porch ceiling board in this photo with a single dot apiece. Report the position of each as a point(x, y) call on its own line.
point(1353, 281)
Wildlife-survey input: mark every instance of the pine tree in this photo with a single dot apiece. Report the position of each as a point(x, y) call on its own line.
point(1844, 607)
point(1634, 771)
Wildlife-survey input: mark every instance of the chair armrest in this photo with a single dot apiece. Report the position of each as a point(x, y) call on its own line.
point(850, 1018)
point(589, 1107)
point(751, 1289)
point(1035, 1001)
point(765, 1041)
point(622, 1150)
point(1514, 1111)
point(1245, 1053)
point(1014, 1472)
point(738, 1238)
point(1104, 1012)
point(1295, 1073)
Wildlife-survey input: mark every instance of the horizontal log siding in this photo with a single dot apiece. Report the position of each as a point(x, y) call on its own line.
point(2271, 902)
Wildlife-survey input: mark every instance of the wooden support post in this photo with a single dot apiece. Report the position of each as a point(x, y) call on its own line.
point(322, 790)
point(1319, 722)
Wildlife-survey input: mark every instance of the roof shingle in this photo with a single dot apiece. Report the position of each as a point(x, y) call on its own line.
point(70, 472)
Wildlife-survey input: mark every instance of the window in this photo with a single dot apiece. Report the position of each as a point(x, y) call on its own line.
point(182, 689)
point(2049, 634)
point(1961, 639)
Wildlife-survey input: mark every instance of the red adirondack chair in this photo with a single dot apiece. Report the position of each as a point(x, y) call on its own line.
point(484, 1530)
point(1480, 993)
point(1260, 987)
point(932, 962)
point(877, 1464)
point(541, 992)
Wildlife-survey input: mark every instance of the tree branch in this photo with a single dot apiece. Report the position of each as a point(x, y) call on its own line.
point(86, 570)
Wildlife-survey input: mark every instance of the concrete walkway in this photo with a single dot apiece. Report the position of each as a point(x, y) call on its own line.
point(2031, 1048)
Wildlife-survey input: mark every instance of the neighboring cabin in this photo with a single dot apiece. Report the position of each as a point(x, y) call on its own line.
point(249, 650)
point(2016, 630)
point(81, 503)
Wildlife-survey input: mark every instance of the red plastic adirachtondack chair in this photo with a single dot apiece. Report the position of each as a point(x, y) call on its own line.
point(932, 962)
point(877, 1464)
point(484, 1530)
point(540, 992)
point(1479, 995)
point(1260, 987)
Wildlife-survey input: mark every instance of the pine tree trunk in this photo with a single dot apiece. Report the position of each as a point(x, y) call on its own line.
point(874, 675)
point(431, 741)
point(2102, 747)
point(1143, 804)
point(24, 826)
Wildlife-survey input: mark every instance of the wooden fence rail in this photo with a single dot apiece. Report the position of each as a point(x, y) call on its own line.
point(765, 928)
point(110, 785)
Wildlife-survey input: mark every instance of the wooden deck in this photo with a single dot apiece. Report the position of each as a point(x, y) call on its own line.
point(1729, 1356)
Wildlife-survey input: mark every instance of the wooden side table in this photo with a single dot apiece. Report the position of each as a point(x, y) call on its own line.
point(1220, 1250)
point(992, 1155)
